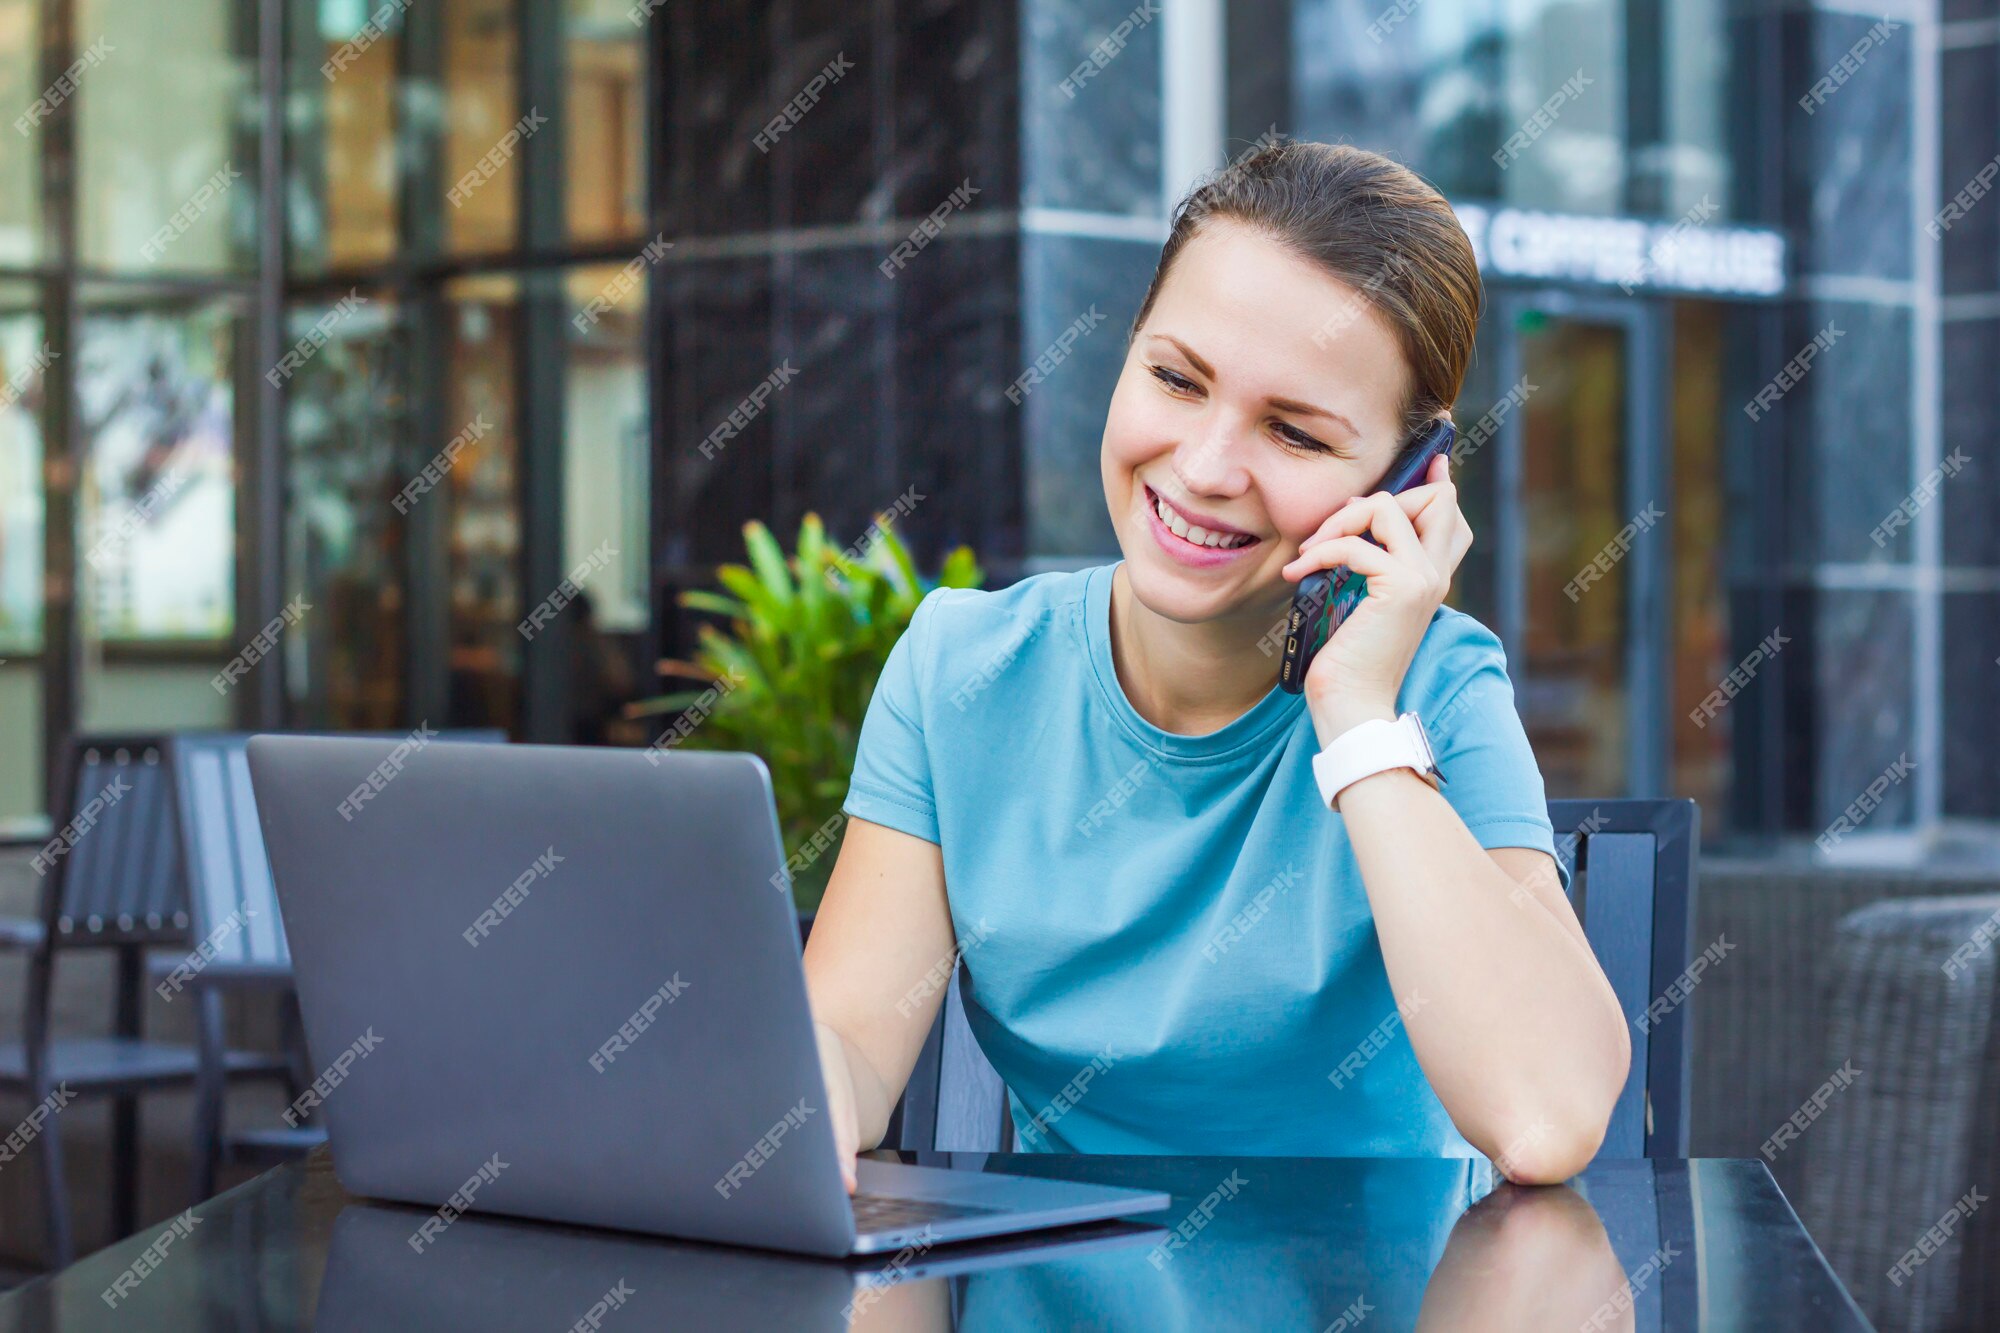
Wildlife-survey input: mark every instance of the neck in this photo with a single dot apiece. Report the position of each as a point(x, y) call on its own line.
point(1190, 679)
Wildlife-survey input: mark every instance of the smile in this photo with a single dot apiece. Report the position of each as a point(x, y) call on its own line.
point(1190, 542)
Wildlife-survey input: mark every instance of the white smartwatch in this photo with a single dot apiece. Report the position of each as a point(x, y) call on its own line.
point(1372, 747)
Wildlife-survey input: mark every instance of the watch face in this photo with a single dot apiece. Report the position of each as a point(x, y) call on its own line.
point(1423, 742)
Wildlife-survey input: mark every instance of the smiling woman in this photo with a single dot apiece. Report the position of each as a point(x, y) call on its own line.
point(1256, 920)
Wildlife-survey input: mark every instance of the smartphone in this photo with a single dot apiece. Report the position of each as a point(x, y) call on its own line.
point(1326, 597)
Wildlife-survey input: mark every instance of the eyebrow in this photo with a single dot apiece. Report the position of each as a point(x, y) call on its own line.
point(1292, 405)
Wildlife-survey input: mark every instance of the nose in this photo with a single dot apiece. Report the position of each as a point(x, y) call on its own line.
point(1207, 464)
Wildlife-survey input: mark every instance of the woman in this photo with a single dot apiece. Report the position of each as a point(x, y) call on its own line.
point(1090, 786)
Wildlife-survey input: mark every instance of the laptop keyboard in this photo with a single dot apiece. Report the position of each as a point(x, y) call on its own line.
point(878, 1212)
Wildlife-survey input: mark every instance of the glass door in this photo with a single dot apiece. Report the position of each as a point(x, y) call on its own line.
point(1580, 512)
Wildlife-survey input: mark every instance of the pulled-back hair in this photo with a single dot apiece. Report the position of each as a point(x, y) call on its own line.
point(1370, 222)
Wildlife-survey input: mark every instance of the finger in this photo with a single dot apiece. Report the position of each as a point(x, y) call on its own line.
point(1357, 553)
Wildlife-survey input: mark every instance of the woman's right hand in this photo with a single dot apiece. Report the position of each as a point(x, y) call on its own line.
point(838, 1076)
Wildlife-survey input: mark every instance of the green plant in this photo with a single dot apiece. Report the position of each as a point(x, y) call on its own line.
point(790, 678)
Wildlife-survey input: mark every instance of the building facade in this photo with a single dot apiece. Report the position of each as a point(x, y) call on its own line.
point(1727, 433)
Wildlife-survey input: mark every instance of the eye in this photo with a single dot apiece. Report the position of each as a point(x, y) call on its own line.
point(1298, 439)
point(1174, 380)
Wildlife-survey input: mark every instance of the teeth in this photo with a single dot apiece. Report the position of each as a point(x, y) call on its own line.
point(1194, 532)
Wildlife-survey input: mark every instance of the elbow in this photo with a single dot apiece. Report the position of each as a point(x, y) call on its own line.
point(1543, 1152)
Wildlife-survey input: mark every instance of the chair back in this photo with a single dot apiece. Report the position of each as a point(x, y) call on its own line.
point(232, 901)
point(112, 871)
point(1632, 867)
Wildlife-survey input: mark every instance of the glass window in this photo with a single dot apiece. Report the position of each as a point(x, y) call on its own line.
point(605, 465)
point(24, 356)
point(166, 122)
point(605, 115)
point(342, 207)
point(485, 534)
point(346, 493)
point(20, 148)
point(481, 157)
point(157, 510)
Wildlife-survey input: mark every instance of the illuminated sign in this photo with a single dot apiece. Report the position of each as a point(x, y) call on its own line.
point(1632, 253)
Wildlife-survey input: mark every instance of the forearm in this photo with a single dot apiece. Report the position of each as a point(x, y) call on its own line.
point(1510, 1015)
point(872, 1102)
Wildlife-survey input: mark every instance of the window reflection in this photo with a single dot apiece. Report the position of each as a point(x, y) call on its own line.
point(604, 115)
point(342, 145)
point(485, 536)
point(158, 132)
point(24, 357)
point(155, 409)
point(481, 182)
point(346, 411)
point(20, 168)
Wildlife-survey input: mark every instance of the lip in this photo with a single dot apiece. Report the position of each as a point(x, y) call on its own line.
point(1186, 552)
point(1212, 524)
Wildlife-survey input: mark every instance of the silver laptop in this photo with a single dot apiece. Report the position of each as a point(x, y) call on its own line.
point(565, 984)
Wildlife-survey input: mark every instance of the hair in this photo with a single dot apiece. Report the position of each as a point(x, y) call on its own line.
point(1368, 221)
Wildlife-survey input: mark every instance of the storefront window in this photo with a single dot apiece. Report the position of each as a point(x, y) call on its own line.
point(605, 464)
point(485, 497)
point(342, 143)
point(20, 147)
point(604, 115)
point(481, 175)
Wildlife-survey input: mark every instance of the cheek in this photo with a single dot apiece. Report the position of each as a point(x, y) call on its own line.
point(1133, 431)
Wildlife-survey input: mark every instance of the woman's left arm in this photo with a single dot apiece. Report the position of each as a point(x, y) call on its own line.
point(1509, 1013)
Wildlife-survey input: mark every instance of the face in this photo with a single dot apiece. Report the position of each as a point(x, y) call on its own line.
point(1259, 396)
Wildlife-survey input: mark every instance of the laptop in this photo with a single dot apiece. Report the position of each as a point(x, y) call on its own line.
point(564, 984)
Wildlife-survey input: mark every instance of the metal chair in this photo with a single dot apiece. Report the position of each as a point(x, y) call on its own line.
point(235, 920)
point(111, 879)
point(1632, 865)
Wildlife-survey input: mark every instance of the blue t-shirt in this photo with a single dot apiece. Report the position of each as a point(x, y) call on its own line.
point(1166, 939)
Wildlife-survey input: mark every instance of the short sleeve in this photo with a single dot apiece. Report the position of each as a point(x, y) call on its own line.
point(891, 782)
point(1491, 777)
